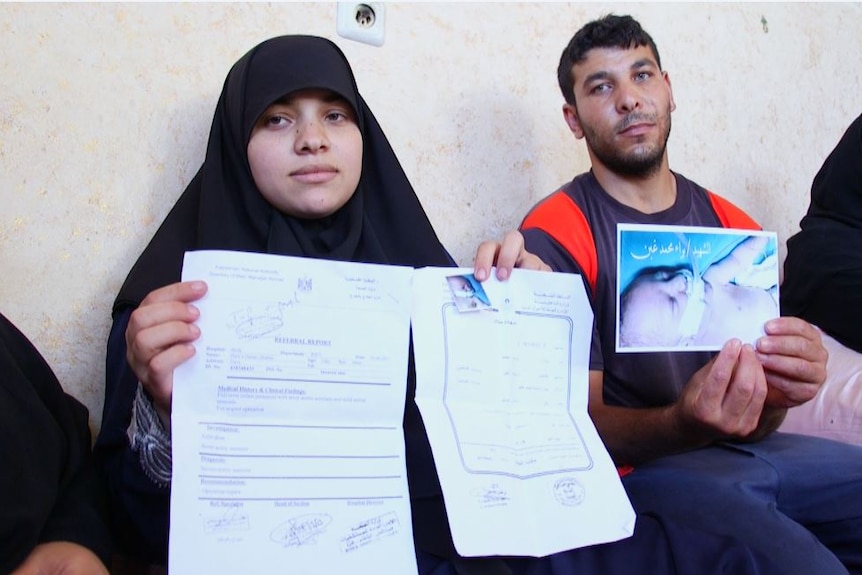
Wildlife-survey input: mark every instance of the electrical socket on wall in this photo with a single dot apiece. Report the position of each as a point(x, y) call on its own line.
point(361, 21)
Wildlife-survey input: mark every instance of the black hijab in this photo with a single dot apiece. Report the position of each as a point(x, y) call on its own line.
point(383, 222)
point(47, 483)
point(823, 269)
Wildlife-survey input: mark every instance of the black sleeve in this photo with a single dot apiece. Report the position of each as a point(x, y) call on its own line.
point(836, 308)
point(139, 508)
point(823, 282)
point(79, 515)
point(48, 490)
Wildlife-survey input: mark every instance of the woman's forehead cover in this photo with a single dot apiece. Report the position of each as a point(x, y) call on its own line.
point(284, 65)
point(324, 94)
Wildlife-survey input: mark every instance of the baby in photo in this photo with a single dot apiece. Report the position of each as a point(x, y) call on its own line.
point(678, 306)
point(468, 293)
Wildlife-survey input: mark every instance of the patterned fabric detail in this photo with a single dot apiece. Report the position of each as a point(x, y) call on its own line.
point(150, 440)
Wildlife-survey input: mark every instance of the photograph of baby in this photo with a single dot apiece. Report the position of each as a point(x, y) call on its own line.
point(689, 288)
point(468, 293)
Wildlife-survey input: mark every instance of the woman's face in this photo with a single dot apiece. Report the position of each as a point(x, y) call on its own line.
point(305, 154)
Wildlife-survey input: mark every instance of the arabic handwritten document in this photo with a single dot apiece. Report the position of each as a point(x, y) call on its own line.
point(503, 395)
point(288, 448)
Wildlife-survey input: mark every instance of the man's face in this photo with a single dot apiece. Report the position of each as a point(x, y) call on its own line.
point(623, 106)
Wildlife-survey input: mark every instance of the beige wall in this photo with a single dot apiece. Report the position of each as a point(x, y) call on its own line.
point(105, 108)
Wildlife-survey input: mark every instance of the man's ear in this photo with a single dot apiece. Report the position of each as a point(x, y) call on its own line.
point(570, 114)
point(670, 90)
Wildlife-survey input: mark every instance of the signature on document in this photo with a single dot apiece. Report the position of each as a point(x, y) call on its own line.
point(301, 530)
point(231, 520)
point(371, 530)
point(492, 495)
point(258, 320)
point(569, 491)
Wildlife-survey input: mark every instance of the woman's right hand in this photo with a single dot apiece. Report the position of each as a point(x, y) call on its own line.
point(159, 338)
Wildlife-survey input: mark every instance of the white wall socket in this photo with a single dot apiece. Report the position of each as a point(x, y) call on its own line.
point(361, 21)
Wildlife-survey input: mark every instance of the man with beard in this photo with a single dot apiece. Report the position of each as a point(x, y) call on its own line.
point(698, 427)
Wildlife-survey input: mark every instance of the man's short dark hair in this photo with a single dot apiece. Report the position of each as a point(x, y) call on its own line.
point(611, 31)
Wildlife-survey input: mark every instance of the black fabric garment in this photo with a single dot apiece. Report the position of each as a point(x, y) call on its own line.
point(823, 269)
point(222, 209)
point(383, 222)
point(48, 490)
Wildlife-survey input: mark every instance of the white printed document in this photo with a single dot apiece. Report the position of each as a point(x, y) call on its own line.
point(288, 447)
point(502, 386)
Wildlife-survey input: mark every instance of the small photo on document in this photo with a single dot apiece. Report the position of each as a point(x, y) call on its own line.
point(468, 293)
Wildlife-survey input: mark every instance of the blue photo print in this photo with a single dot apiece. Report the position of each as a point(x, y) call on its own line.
point(468, 293)
point(693, 288)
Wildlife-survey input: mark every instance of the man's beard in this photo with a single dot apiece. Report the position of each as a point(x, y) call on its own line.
point(638, 164)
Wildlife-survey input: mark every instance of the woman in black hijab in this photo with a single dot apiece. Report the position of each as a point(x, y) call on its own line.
point(334, 204)
point(823, 285)
point(50, 509)
point(380, 221)
point(823, 269)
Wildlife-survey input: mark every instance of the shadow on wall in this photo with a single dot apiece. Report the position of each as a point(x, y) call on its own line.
point(172, 149)
point(500, 166)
